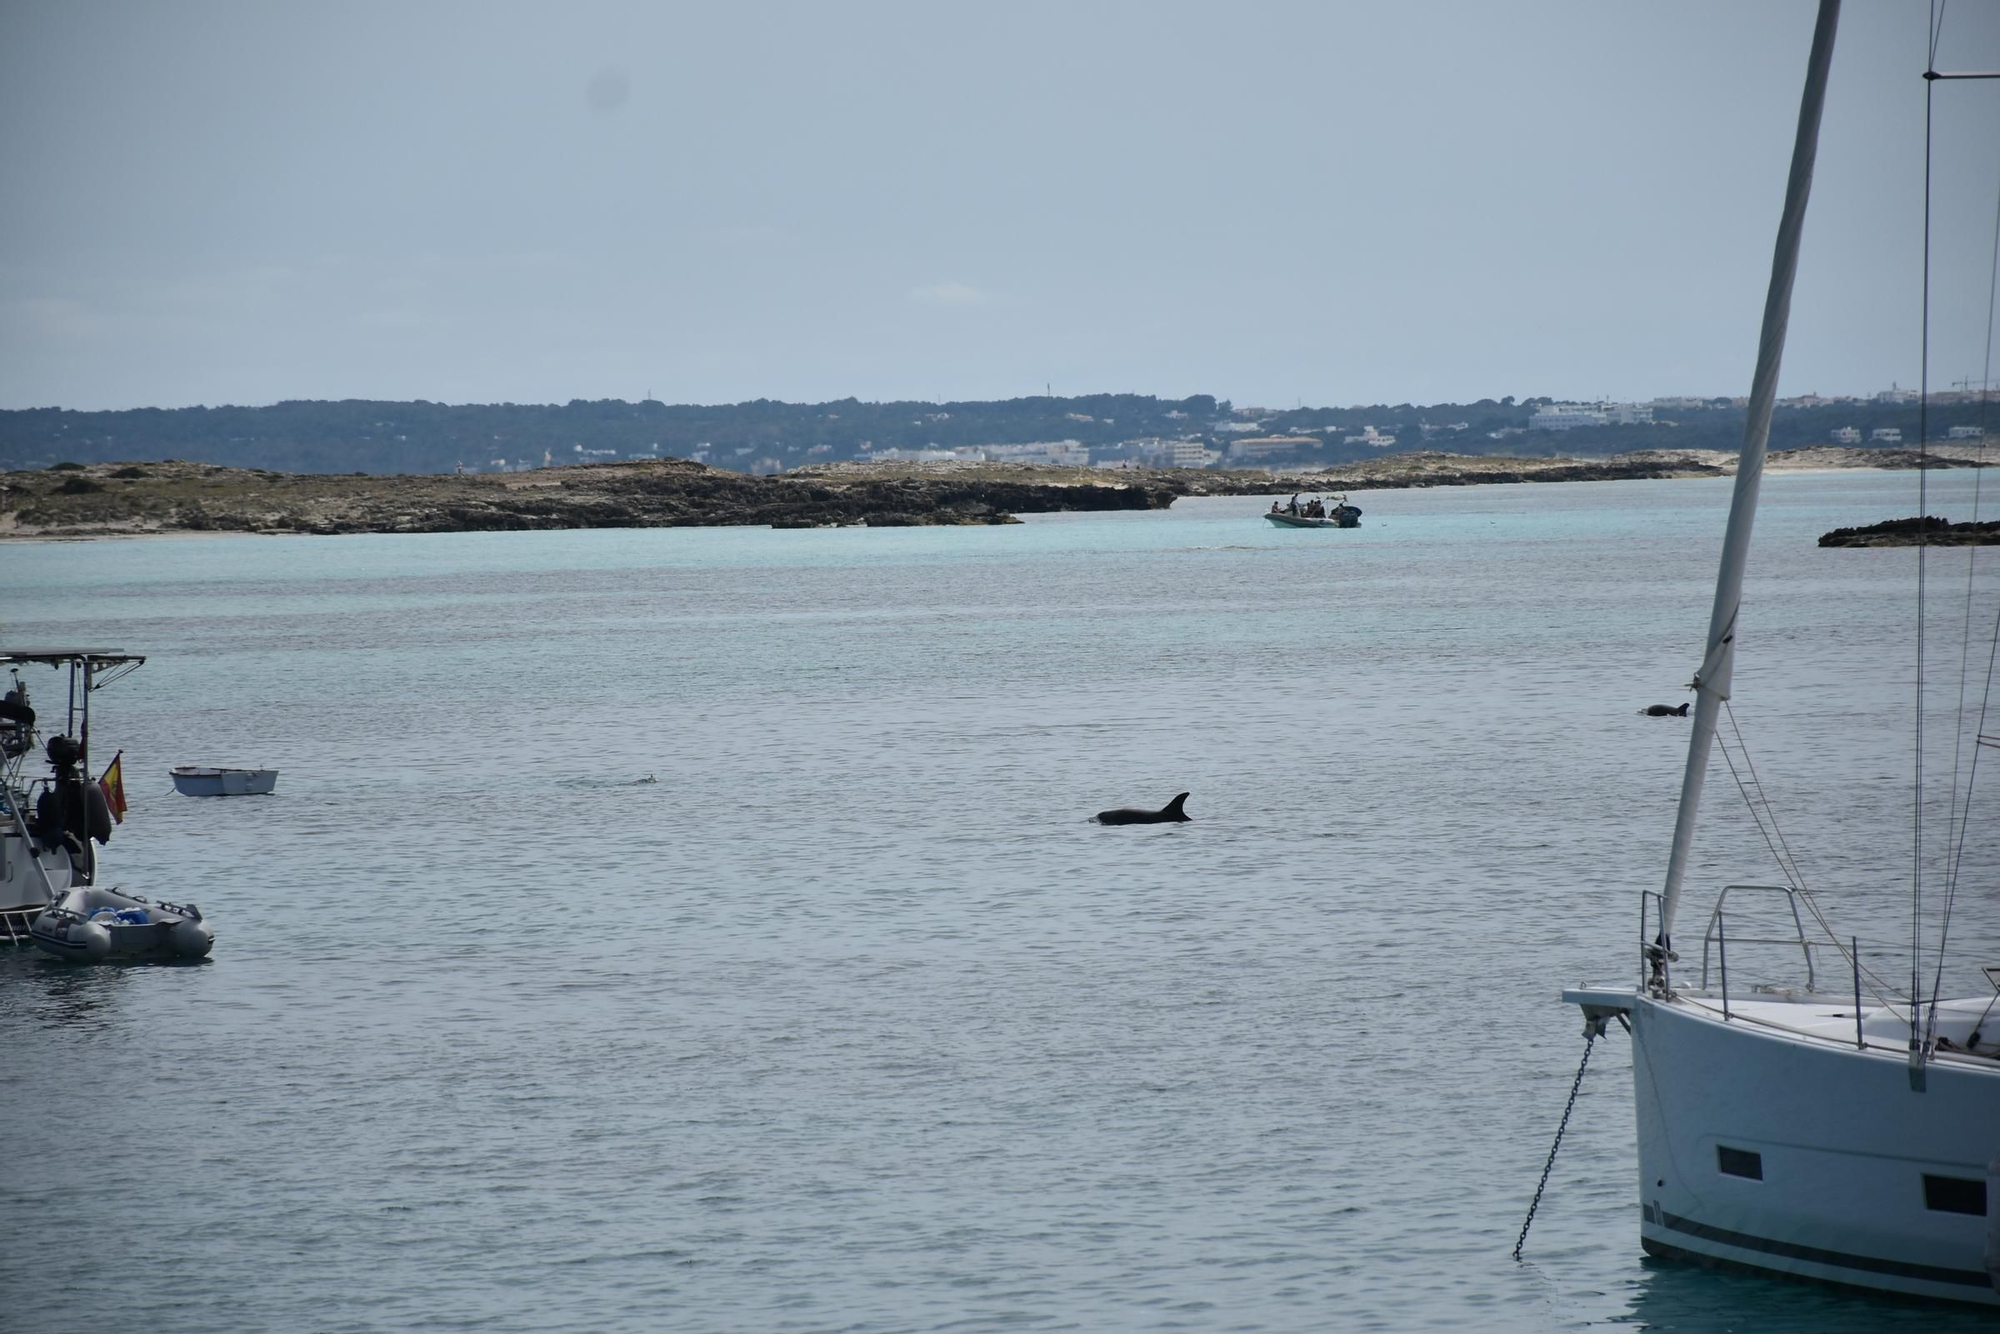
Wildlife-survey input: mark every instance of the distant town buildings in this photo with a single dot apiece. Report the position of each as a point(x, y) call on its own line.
point(1966, 433)
point(1565, 417)
point(1569, 416)
point(1192, 454)
point(1254, 447)
point(1061, 453)
point(1847, 435)
point(1177, 454)
point(960, 455)
point(1886, 435)
point(1371, 437)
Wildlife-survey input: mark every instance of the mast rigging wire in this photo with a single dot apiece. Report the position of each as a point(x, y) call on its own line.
point(1958, 818)
point(1955, 839)
point(1923, 546)
point(1774, 838)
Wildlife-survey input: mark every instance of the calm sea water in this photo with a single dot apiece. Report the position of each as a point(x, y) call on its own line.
point(850, 1021)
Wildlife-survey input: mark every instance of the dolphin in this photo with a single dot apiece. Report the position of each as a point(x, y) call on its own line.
point(1664, 711)
point(1167, 814)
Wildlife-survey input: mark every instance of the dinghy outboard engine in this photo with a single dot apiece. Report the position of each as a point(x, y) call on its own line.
point(72, 812)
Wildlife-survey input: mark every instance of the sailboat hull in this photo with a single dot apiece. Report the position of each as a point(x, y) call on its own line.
point(1774, 1150)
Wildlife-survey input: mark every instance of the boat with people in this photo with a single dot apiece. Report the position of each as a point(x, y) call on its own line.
point(1331, 512)
point(204, 780)
point(52, 826)
point(1843, 1128)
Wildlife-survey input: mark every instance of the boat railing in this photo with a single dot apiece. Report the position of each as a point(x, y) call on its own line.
point(1718, 940)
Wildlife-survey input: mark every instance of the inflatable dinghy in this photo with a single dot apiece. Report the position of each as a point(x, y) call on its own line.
point(91, 925)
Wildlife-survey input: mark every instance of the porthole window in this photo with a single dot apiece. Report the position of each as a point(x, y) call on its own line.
point(1955, 1195)
point(1740, 1163)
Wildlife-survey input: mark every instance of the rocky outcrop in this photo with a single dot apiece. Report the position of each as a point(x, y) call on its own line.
point(115, 499)
point(1929, 531)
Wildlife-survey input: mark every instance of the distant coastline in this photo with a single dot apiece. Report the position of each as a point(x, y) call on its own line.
point(767, 437)
point(71, 501)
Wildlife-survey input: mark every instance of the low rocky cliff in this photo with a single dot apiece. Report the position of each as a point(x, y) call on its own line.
point(139, 498)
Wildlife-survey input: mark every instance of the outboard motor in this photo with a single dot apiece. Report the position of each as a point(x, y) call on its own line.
point(64, 756)
point(72, 811)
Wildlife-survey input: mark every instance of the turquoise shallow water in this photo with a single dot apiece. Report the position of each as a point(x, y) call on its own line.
point(850, 1021)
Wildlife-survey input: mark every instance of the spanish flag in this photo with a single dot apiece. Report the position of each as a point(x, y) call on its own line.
point(112, 785)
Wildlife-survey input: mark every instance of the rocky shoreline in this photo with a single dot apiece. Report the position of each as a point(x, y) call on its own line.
point(138, 499)
point(108, 500)
point(1931, 531)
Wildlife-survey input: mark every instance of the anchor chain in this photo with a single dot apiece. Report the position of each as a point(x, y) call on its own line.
point(1590, 1035)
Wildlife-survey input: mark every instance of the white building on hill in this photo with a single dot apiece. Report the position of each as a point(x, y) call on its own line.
point(1062, 453)
point(1569, 416)
point(1250, 449)
point(1183, 454)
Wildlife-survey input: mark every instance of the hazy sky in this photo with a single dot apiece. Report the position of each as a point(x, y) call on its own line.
point(1335, 203)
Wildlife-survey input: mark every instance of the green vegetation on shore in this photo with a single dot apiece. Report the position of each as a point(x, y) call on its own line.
point(422, 437)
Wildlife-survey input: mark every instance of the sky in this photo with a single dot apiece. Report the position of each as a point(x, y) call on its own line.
point(1276, 203)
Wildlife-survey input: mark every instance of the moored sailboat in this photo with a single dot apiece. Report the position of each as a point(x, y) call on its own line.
point(1827, 1135)
point(50, 827)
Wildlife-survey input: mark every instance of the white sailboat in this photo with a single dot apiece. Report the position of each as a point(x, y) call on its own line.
point(1849, 1139)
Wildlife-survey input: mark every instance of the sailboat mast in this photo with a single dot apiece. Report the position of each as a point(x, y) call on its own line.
point(1711, 684)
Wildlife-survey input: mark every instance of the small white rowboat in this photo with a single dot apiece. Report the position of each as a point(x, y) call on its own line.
point(203, 780)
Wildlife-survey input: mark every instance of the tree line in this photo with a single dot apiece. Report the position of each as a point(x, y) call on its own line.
point(384, 437)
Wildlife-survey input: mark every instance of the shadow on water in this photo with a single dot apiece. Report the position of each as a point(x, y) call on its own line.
point(38, 990)
point(1688, 1298)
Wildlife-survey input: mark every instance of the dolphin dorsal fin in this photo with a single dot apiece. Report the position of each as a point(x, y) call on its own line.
point(1174, 806)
